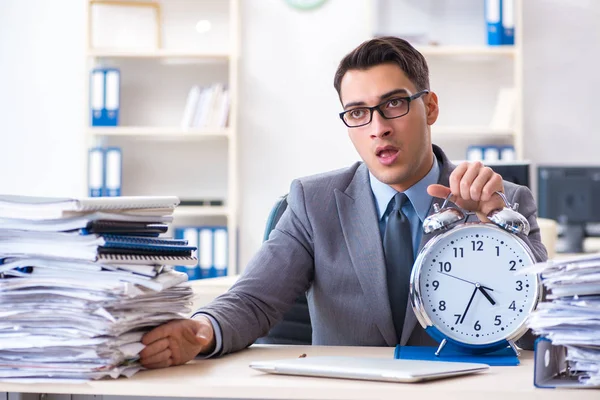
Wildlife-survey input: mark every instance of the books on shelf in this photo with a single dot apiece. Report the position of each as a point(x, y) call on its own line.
point(105, 95)
point(206, 107)
point(500, 21)
point(105, 171)
point(212, 254)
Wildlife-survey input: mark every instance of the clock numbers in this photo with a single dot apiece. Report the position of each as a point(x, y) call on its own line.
point(477, 245)
point(468, 287)
point(457, 318)
point(445, 266)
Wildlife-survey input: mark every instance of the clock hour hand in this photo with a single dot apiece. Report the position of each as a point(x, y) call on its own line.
point(468, 305)
point(483, 290)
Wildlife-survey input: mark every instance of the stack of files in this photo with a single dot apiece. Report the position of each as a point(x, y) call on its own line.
point(570, 315)
point(82, 280)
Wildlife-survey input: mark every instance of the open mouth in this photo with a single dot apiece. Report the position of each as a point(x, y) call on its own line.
point(387, 155)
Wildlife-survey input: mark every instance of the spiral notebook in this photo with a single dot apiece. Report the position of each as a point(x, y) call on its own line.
point(30, 207)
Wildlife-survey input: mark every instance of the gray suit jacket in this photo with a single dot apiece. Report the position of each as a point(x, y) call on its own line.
point(328, 243)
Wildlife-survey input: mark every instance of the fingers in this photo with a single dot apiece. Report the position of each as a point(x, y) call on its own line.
point(480, 180)
point(158, 360)
point(177, 342)
point(493, 185)
point(437, 190)
point(158, 333)
point(474, 181)
point(472, 186)
point(154, 348)
point(456, 178)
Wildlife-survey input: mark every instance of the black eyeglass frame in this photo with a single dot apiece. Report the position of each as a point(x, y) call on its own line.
point(377, 108)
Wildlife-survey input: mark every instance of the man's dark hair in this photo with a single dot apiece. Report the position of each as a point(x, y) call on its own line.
point(383, 50)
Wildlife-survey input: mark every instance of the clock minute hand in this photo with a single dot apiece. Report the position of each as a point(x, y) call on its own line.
point(468, 305)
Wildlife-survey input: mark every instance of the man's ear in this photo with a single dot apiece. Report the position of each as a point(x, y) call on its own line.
point(431, 105)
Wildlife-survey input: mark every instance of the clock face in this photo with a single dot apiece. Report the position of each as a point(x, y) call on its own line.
point(468, 287)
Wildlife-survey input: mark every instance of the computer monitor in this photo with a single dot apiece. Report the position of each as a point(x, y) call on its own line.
point(515, 172)
point(571, 196)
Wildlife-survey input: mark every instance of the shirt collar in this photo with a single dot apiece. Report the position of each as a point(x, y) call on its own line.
point(417, 193)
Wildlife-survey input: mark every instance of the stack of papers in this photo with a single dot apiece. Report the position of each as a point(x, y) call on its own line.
point(81, 281)
point(570, 316)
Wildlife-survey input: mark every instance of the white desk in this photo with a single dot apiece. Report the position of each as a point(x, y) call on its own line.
point(230, 377)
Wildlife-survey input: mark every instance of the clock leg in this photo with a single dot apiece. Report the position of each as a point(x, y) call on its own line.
point(514, 347)
point(441, 346)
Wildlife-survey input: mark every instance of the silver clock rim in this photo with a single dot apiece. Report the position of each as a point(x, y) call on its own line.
point(417, 300)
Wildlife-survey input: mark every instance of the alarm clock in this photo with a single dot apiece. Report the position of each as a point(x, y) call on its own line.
point(463, 286)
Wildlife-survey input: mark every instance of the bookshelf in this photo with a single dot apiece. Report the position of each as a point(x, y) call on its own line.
point(165, 133)
point(465, 72)
point(172, 46)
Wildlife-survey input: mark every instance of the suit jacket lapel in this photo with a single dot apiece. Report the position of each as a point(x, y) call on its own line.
point(359, 222)
point(446, 168)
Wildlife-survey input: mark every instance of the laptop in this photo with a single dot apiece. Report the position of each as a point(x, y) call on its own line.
point(376, 369)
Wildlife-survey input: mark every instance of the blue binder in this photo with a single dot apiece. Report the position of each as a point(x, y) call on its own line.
point(220, 247)
point(508, 22)
point(206, 250)
point(113, 163)
point(493, 19)
point(105, 84)
point(190, 235)
point(96, 171)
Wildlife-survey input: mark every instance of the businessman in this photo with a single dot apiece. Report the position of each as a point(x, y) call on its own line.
point(349, 237)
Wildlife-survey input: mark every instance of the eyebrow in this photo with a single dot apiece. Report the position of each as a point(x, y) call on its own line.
point(382, 97)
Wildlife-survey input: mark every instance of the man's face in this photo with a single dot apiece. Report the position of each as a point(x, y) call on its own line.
point(397, 151)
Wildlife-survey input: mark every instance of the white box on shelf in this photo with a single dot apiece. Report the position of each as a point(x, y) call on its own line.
point(132, 26)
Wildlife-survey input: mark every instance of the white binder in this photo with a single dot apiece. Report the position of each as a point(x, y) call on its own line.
point(220, 256)
point(205, 256)
point(96, 172)
point(113, 167)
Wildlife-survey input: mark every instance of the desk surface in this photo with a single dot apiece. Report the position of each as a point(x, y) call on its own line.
point(230, 377)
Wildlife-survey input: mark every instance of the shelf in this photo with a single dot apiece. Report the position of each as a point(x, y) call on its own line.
point(467, 50)
point(200, 211)
point(470, 132)
point(160, 54)
point(152, 132)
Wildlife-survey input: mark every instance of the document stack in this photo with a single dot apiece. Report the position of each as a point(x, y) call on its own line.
point(82, 280)
point(570, 317)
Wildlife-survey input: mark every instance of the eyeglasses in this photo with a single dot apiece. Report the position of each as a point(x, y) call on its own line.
point(395, 107)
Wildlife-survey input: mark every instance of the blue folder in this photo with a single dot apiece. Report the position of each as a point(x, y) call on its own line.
point(502, 357)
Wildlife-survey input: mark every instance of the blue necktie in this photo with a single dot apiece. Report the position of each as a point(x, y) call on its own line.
point(399, 259)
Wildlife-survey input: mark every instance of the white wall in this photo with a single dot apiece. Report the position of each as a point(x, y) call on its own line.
point(42, 100)
point(562, 79)
point(288, 107)
point(288, 122)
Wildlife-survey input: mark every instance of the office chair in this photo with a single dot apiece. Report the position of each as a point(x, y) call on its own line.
point(295, 327)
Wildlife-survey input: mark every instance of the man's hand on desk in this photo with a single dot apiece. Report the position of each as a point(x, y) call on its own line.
point(177, 342)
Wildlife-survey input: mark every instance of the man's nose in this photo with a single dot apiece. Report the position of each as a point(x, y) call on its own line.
point(380, 126)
